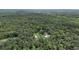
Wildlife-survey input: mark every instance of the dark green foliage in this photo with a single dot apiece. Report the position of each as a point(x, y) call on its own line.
point(19, 32)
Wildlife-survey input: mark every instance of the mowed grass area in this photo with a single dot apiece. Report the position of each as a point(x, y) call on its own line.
point(37, 31)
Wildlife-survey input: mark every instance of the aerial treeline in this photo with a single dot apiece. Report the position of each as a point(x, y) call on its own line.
point(39, 31)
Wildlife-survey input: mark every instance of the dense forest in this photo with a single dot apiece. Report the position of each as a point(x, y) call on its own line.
point(39, 31)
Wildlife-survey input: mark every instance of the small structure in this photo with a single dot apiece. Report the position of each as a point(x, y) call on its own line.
point(37, 36)
point(42, 33)
point(46, 35)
